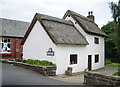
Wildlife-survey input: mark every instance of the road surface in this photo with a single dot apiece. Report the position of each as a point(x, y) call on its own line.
point(13, 75)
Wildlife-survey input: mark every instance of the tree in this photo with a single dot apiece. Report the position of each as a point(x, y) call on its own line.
point(115, 8)
point(110, 47)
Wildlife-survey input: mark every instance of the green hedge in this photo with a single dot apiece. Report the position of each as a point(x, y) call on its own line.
point(39, 62)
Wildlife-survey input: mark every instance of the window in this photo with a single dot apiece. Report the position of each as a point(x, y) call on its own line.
point(96, 40)
point(96, 58)
point(6, 45)
point(73, 59)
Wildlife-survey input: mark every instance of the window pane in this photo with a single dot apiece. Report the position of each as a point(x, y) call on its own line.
point(5, 40)
point(96, 58)
point(96, 40)
point(8, 40)
point(73, 59)
point(2, 45)
point(8, 45)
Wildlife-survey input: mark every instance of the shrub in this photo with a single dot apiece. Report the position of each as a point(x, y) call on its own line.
point(38, 62)
point(107, 62)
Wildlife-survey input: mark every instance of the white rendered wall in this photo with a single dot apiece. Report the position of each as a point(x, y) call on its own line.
point(92, 49)
point(37, 44)
point(63, 58)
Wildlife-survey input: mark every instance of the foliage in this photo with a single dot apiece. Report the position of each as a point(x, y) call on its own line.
point(115, 8)
point(38, 62)
point(118, 72)
point(110, 41)
point(107, 62)
point(114, 64)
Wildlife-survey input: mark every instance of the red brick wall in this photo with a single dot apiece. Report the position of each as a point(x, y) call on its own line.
point(16, 48)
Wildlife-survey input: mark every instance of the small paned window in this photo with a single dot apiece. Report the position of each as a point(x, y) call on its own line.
point(73, 59)
point(96, 58)
point(6, 45)
point(96, 40)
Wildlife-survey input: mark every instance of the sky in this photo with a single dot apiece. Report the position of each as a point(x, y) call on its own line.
point(24, 10)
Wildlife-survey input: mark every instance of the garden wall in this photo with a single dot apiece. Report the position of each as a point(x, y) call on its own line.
point(44, 70)
point(93, 78)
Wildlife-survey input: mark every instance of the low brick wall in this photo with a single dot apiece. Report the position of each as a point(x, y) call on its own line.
point(92, 78)
point(44, 70)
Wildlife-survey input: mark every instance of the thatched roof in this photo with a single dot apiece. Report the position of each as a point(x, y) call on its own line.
point(13, 28)
point(59, 30)
point(87, 24)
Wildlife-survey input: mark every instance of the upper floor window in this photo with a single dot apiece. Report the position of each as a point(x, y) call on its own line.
point(6, 45)
point(96, 40)
point(97, 58)
point(73, 59)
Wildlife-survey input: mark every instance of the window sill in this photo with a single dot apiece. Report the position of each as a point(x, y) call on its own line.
point(5, 54)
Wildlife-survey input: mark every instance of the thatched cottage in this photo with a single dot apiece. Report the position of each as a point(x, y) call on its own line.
point(11, 35)
point(74, 41)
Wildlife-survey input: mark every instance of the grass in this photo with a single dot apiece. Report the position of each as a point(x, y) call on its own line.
point(108, 62)
point(114, 64)
point(39, 62)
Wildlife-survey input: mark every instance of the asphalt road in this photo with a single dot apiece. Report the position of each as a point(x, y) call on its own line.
point(13, 75)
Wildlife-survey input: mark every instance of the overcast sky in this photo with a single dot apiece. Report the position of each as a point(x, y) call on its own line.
point(24, 10)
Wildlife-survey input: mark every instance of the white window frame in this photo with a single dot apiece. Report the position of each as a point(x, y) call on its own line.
point(5, 49)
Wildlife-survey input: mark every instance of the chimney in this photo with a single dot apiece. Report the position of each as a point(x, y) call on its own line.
point(91, 16)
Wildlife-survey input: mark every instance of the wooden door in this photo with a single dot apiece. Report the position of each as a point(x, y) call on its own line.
point(89, 62)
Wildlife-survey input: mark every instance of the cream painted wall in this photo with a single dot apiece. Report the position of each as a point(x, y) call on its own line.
point(37, 44)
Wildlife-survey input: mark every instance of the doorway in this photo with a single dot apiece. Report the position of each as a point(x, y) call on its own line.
point(89, 62)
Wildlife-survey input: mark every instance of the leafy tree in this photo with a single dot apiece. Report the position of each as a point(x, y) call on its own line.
point(115, 8)
point(110, 47)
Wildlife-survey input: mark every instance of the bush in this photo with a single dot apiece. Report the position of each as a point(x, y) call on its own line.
point(117, 73)
point(107, 62)
point(38, 62)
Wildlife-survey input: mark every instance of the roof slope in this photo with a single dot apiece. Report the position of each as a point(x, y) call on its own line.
point(13, 28)
point(59, 30)
point(87, 24)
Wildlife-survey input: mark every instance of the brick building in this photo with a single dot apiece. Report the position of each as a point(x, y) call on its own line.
point(11, 34)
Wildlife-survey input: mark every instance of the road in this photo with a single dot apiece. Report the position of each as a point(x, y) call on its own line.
point(13, 75)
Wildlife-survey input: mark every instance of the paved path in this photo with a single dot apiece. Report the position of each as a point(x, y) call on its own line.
point(12, 75)
point(107, 70)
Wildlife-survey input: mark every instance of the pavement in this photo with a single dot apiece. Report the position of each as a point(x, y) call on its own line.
point(13, 75)
point(107, 70)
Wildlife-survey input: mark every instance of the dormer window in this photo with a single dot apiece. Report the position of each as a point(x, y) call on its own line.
point(96, 40)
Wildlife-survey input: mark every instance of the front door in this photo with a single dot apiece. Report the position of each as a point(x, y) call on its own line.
point(89, 62)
